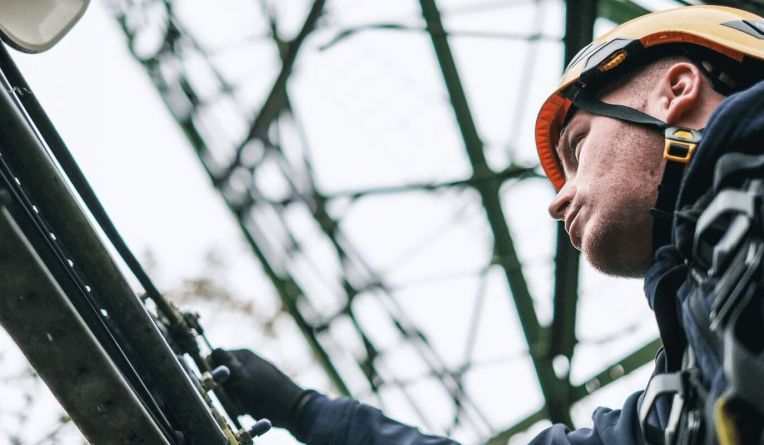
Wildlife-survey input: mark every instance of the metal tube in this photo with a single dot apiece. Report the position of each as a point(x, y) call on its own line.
point(42, 181)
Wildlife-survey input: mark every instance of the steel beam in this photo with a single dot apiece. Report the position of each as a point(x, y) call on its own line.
point(619, 11)
point(616, 370)
point(504, 249)
point(277, 100)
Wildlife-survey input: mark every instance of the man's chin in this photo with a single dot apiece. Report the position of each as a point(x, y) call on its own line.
point(618, 270)
point(624, 263)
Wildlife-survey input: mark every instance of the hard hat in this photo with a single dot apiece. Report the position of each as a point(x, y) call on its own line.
point(731, 36)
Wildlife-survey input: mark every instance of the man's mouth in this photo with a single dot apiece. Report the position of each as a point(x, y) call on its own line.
point(570, 219)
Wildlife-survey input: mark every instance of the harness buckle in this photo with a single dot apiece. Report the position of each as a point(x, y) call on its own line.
point(660, 384)
point(680, 144)
point(684, 423)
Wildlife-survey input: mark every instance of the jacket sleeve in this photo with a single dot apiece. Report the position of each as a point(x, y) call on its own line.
point(347, 422)
point(610, 427)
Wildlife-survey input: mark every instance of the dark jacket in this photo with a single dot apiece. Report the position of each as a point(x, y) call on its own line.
point(737, 124)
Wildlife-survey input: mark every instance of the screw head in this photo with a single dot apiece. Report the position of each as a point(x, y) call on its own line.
point(261, 427)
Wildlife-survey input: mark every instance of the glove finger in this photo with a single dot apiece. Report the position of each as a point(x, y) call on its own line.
point(232, 385)
point(221, 357)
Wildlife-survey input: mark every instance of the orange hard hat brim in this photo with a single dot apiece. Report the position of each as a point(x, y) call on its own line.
point(703, 27)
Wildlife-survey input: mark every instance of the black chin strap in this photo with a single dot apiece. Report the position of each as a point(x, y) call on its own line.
point(585, 100)
point(680, 145)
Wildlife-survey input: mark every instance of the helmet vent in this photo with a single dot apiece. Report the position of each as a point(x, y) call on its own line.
point(750, 27)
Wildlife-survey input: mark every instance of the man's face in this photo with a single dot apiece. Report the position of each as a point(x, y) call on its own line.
point(612, 169)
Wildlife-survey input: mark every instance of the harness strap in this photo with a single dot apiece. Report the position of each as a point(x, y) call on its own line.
point(680, 145)
point(663, 212)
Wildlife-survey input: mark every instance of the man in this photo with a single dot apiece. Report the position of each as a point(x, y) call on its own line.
point(664, 91)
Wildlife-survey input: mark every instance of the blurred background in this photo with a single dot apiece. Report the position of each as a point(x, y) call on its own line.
point(350, 189)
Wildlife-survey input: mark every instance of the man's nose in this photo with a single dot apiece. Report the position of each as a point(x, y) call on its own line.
point(562, 200)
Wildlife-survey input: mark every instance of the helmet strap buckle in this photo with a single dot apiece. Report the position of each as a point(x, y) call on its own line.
point(680, 144)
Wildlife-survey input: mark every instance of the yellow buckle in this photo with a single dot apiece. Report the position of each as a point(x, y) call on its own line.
point(680, 144)
point(678, 151)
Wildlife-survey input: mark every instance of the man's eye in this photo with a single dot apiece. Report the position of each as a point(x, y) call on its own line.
point(575, 143)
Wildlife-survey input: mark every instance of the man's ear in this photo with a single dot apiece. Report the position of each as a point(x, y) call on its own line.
point(679, 91)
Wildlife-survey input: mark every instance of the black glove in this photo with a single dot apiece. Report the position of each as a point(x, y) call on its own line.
point(260, 388)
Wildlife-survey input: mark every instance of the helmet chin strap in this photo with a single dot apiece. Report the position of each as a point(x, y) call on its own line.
point(679, 147)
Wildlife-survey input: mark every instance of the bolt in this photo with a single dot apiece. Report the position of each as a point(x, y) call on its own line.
point(210, 380)
point(261, 427)
point(207, 381)
point(220, 374)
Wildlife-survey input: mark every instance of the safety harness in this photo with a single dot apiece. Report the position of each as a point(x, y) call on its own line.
point(718, 394)
point(725, 264)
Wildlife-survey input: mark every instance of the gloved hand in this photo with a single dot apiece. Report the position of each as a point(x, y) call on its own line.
point(260, 388)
